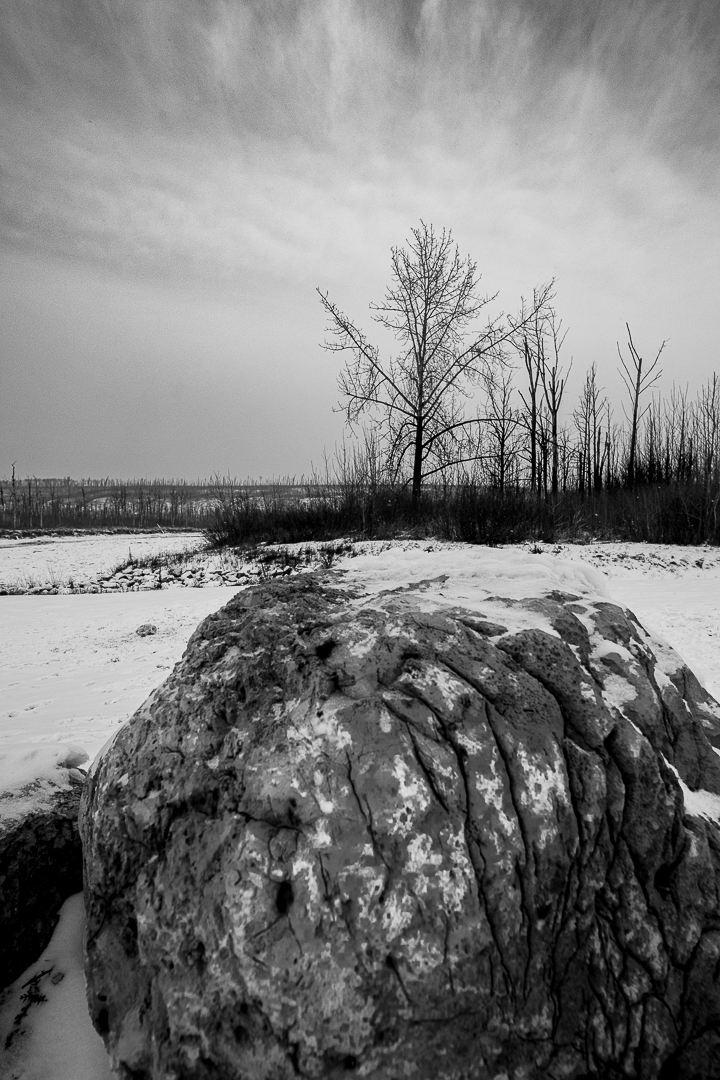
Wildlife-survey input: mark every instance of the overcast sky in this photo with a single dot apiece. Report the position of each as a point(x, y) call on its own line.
point(177, 177)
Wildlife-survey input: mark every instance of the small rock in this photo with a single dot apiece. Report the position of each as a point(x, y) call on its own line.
point(146, 630)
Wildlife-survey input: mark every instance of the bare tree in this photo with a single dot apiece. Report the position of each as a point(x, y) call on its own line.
point(419, 396)
point(13, 495)
point(708, 423)
point(636, 382)
point(678, 434)
point(553, 381)
point(502, 420)
point(588, 423)
point(539, 342)
point(531, 346)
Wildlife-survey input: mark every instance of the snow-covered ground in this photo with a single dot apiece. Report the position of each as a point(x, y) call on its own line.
point(52, 1038)
point(48, 560)
point(72, 668)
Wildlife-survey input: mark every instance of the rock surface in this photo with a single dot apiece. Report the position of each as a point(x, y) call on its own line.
point(40, 866)
point(386, 837)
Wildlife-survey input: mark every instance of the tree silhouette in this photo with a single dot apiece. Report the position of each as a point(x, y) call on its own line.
point(419, 396)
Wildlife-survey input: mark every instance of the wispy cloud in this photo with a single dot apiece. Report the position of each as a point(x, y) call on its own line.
point(149, 131)
point(263, 147)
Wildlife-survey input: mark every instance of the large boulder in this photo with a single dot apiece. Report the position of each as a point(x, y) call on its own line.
point(382, 835)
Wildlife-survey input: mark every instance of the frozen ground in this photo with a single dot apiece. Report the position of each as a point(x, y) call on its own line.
point(72, 668)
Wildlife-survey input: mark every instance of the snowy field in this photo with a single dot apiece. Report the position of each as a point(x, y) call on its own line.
point(46, 560)
point(73, 668)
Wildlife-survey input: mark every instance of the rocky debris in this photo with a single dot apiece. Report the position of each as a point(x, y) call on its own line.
point(200, 573)
point(40, 866)
point(146, 630)
point(386, 837)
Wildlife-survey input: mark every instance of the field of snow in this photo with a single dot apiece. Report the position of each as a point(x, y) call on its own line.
point(42, 560)
point(72, 668)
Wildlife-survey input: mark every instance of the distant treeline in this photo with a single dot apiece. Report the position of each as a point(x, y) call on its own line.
point(64, 503)
point(654, 477)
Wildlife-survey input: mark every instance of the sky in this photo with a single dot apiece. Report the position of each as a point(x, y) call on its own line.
point(177, 177)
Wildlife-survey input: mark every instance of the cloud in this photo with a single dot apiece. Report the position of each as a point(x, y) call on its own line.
point(250, 150)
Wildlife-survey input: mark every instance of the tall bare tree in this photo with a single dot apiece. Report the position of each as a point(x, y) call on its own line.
point(592, 452)
point(636, 382)
point(419, 396)
point(553, 381)
point(502, 420)
point(538, 340)
point(531, 345)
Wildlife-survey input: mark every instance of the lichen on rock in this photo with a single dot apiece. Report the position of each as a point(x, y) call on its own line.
point(357, 834)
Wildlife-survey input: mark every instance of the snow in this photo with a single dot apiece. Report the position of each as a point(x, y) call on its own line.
point(60, 559)
point(701, 803)
point(20, 765)
point(478, 579)
point(674, 591)
point(467, 574)
point(54, 1040)
point(72, 669)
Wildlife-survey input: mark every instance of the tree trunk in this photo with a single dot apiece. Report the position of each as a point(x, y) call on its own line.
point(417, 463)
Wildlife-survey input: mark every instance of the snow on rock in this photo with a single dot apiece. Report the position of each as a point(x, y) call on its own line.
point(365, 808)
point(468, 573)
point(22, 765)
point(701, 803)
point(674, 590)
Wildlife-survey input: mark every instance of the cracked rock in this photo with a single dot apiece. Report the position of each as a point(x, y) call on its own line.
point(386, 837)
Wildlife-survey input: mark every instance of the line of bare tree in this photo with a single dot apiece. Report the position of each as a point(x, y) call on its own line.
point(512, 373)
